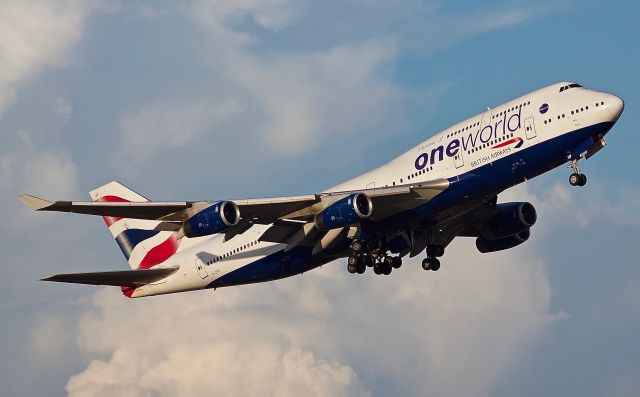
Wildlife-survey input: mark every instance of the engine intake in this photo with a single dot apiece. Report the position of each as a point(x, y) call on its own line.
point(512, 218)
point(504, 243)
point(344, 212)
point(211, 220)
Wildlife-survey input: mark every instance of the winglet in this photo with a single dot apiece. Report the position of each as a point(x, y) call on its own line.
point(35, 203)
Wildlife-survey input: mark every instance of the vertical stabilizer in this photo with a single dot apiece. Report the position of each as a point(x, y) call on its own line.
point(143, 246)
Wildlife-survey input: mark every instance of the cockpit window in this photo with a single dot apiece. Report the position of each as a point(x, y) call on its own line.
point(572, 85)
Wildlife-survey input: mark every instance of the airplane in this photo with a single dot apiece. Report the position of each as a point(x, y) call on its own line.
point(443, 188)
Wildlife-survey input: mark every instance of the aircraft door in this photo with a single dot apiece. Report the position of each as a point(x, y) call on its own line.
point(530, 128)
point(202, 271)
point(458, 159)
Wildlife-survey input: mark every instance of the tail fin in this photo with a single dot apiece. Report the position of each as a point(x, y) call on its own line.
point(142, 245)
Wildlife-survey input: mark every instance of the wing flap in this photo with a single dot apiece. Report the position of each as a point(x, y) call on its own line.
point(117, 278)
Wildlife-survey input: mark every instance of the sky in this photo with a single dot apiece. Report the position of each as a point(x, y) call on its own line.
point(218, 99)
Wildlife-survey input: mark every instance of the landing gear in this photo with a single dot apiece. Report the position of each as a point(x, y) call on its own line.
point(434, 251)
point(371, 254)
point(383, 266)
point(396, 262)
point(367, 260)
point(431, 264)
point(577, 178)
point(355, 264)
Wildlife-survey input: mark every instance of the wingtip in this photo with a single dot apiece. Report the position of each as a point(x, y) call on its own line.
point(35, 203)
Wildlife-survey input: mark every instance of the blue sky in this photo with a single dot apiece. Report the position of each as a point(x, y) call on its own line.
point(229, 99)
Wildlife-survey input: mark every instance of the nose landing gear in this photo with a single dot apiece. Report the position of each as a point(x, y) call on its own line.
point(577, 178)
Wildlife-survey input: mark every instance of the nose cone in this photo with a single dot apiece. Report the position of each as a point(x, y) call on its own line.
point(615, 105)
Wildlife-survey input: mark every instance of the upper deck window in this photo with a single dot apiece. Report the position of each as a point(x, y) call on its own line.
point(572, 85)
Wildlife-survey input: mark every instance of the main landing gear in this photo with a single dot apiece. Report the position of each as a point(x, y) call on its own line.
point(577, 178)
point(431, 262)
point(364, 256)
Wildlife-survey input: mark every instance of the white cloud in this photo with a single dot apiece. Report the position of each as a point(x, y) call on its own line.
point(291, 101)
point(50, 172)
point(63, 109)
point(213, 348)
point(573, 206)
point(322, 332)
point(35, 35)
point(268, 14)
point(37, 171)
point(29, 169)
point(170, 123)
point(309, 97)
point(305, 97)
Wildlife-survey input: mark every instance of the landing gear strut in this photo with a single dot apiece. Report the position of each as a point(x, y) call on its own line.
point(577, 178)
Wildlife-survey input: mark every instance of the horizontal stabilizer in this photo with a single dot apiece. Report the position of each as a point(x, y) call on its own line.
point(136, 210)
point(117, 278)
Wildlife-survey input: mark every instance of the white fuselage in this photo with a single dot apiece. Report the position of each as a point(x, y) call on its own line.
point(482, 140)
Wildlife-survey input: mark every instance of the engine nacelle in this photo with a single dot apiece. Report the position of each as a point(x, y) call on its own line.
point(512, 218)
point(344, 212)
point(211, 220)
point(504, 243)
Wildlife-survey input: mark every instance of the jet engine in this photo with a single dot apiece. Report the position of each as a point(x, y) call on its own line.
point(211, 220)
point(511, 219)
point(504, 243)
point(344, 212)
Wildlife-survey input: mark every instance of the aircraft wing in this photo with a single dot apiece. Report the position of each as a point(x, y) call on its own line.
point(386, 202)
point(117, 278)
point(264, 208)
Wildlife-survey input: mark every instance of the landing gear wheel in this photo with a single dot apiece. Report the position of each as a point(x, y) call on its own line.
point(386, 270)
point(431, 264)
point(574, 179)
point(396, 262)
point(352, 269)
point(367, 260)
point(582, 179)
point(361, 270)
point(377, 269)
point(356, 246)
point(577, 178)
point(353, 261)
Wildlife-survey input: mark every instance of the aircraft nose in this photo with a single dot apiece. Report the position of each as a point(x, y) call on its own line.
point(615, 105)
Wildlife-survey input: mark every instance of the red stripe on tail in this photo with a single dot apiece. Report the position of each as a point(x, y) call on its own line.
point(110, 220)
point(160, 253)
point(127, 290)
